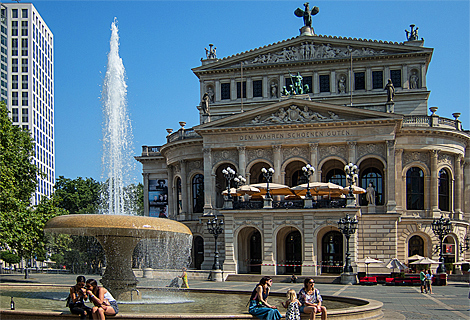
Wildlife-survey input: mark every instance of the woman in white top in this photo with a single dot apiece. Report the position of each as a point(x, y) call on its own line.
point(104, 302)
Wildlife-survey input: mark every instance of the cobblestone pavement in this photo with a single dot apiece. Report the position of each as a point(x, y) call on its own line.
point(449, 302)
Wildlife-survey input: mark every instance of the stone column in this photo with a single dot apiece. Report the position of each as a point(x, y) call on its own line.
point(390, 182)
point(315, 83)
point(230, 263)
point(466, 182)
point(171, 209)
point(314, 160)
point(277, 164)
point(233, 90)
point(269, 244)
point(352, 151)
point(423, 76)
point(405, 80)
point(400, 188)
point(434, 184)
point(266, 88)
point(146, 193)
point(368, 79)
point(310, 257)
point(184, 191)
point(242, 161)
point(208, 185)
point(458, 187)
point(217, 91)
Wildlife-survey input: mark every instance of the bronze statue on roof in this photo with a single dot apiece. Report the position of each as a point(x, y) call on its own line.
point(306, 14)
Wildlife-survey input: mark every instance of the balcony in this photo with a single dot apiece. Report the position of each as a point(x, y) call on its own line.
point(288, 204)
point(182, 134)
point(433, 121)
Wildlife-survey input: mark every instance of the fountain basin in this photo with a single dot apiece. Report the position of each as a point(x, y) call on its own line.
point(118, 235)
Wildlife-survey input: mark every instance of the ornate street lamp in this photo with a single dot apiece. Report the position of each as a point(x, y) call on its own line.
point(441, 228)
point(239, 181)
point(215, 226)
point(268, 174)
point(466, 245)
point(229, 174)
point(352, 176)
point(348, 227)
point(308, 170)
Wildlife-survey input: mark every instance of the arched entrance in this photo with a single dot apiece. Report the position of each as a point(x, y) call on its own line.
point(332, 252)
point(448, 250)
point(415, 246)
point(250, 250)
point(293, 245)
point(197, 252)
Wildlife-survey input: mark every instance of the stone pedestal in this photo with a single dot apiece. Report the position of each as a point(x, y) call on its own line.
point(268, 203)
point(308, 203)
point(350, 202)
point(217, 275)
point(348, 278)
point(390, 107)
point(147, 273)
point(228, 204)
point(306, 31)
point(371, 208)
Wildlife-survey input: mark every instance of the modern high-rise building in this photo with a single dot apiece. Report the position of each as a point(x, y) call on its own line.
point(27, 83)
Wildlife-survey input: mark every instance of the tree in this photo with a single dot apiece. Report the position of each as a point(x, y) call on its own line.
point(78, 196)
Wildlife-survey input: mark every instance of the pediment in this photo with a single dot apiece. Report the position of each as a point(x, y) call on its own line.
point(311, 49)
point(297, 112)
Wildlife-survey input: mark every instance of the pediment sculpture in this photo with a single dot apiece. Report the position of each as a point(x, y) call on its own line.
point(294, 114)
point(310, 51)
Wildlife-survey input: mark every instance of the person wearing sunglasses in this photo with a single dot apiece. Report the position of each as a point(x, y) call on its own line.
point(311, 300)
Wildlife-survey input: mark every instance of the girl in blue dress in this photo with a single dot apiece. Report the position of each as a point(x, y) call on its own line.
point(259, 306)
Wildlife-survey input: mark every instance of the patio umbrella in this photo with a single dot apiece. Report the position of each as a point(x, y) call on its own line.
point(318, 189)
point(367, 261)
point(247, 189)
point(456, 263)
point(233, 192)
point(395, 263)
point(415, 257)
point(355, 189)
point(425, 261)
point(274, 188)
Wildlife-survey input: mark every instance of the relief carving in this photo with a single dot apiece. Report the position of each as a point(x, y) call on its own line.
point(445, 158)
point(253, 154)
point(195, 165)
point(295, 114)
point(220, 155)
point(334, 150)
point(415, 156)
point(371, 148)
point(294, 152)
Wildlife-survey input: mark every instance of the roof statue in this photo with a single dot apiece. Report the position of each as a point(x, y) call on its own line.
point(307, 16)
point(211, 52)
point(413, 34)
point(297, 87)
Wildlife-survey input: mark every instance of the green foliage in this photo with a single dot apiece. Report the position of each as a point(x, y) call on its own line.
point(449, 266)
point(465, 267)
point(78, 196)
point(9, 257)
point(58, 259)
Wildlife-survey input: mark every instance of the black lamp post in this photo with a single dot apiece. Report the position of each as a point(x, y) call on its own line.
point(308, 170)
point(215, 227)
point(466, 245)
point(441, 227)
point(239, 181)
point(348, 227)
point(268, 174)
point(229, 174)
point(352, 175)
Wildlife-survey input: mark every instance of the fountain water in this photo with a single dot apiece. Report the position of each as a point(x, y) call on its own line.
point(118, 233)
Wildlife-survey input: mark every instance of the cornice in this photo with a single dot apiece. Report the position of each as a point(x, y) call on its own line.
point(180, 143)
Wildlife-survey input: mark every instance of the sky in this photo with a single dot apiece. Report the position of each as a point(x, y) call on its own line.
point(160, 41)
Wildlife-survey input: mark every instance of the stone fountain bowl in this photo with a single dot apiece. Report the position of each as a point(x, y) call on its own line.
point(114, 225)
point(118, 235)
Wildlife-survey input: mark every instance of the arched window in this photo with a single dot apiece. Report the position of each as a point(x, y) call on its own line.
point(374, 176)
point(179, 197)
point(336, 176)
point(198, 193)
point(415, 246)
point(298, 178)
point(415, 189)
point(444, 188)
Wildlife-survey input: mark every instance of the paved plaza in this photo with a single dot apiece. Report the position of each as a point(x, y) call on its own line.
point(400, 302)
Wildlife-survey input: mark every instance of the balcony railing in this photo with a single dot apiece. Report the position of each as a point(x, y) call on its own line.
point(182, 134)
point(288, 204)
point(151, 150)
point(431, 121)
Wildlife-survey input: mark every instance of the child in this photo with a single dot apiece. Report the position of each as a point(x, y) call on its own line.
point(292, 304)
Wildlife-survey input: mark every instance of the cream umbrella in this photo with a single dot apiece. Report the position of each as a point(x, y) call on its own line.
point(247, 189)
point(355, 189)
point(233, 192)
point(415, 257)
point(274, 188)
point(425, 261)
point(395, 263)
point(318, 189)
point(367, 261)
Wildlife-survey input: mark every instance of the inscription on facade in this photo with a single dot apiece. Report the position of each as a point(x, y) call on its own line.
point(295, 135)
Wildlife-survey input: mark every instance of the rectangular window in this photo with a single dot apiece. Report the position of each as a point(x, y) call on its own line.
point(14, 114)
point(24, 99)
point(239, 90)
point(24, 47)
point(14, 13)
point(359, 81)
point(14, 28)
point(395, 75)
point(24, 115)
point(14, 81)
point(24, 13)
point(25, 127)
point(225, 91)
point(24, 65)
point(258, 88)
point(14, 65)
point(24, 81)
point(308, 81)
point(24, 28)
point(14, 98)
point(325, 83)
point(377, 80)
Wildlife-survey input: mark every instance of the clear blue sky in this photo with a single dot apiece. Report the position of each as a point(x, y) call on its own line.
point(162, 40)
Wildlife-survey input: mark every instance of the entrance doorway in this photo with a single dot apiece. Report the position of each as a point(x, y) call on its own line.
point(293, 258)
point(198, 252)
point(332, 252)
point(255, 253)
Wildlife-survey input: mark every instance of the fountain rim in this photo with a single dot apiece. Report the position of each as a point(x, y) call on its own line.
point(115, 225)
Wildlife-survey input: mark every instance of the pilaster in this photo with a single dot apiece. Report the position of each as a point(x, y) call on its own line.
point(242, 160)
point(277, 164)
point(458, 187)
point(314, 159)
point(184, 191)
point(310, 258)
point(434, 184)
point(208, 181)
point(391, 202)
point(230, 264)
point(352, 151)
point(399, 186)
point(145, 176)
point(171, 210)
point(269, 242)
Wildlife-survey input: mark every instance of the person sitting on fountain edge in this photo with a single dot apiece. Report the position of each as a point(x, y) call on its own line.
point(76, 299)
point(105, 304)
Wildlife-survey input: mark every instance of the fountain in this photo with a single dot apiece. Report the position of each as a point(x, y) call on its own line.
point(118, 233)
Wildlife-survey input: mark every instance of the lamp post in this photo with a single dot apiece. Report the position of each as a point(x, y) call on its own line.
point(352, 175)
point(348, 227)
point(308, 170)
point(268, 174)
point(466, 245)
point(441, 227)
point(215, 227)
point(239, 181)
point(229, 174)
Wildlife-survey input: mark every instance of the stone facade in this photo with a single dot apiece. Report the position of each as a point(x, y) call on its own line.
point(418, 163)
